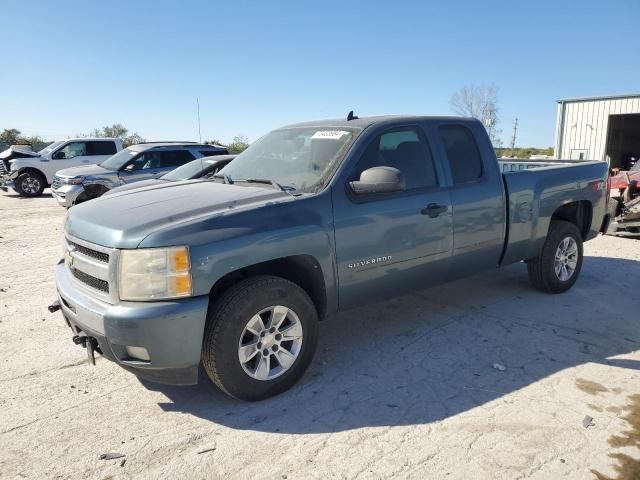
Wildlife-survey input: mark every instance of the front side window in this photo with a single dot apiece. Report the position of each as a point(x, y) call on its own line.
point(462, 153)
point(74, 149)
point(405, 149)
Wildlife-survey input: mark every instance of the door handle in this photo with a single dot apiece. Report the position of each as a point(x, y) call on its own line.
point(434, 209)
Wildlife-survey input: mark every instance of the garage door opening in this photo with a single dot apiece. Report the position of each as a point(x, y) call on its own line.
point(623, 140)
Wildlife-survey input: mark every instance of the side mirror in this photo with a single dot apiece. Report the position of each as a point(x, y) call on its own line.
point(59, 155)
point(130, 168)
point(378, 180)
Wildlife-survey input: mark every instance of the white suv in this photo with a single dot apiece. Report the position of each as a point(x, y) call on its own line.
point(30, 175)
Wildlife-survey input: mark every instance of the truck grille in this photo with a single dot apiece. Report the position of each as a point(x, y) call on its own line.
point(100, 256)
point(57, 183)
point(91, 281)
point(93, 267)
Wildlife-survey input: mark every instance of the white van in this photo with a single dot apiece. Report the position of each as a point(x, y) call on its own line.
point(30, 175)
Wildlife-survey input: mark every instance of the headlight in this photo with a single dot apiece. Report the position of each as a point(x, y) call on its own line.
point(154, 273)
point(73, 181)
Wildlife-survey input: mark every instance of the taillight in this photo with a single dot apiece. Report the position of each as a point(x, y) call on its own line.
point(597, 185)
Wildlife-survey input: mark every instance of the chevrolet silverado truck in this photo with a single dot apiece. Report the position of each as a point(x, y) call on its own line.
point(234, 273)
point(30, 174)
point(144, 161)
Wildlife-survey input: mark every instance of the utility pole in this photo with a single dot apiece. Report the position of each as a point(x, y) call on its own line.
point(199, 134)
point(513, 138)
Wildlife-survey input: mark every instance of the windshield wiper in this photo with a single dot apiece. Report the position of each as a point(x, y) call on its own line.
point(276, 185)
point(225, 177)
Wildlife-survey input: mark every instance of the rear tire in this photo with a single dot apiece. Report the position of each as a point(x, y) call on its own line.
point(30, 184)
point(558, 266)
point(231, 322)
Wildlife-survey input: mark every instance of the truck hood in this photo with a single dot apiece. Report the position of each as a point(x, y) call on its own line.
point(123, 220)
point(84, 170)
point(17, 149)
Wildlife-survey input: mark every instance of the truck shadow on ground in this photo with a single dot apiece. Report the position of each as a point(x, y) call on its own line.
point(430, 355)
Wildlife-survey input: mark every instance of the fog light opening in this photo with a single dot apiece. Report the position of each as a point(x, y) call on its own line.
point(138, 353)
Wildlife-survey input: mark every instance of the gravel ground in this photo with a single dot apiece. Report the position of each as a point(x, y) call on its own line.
point(406, 388)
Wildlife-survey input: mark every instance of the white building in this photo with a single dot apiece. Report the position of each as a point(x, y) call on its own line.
point(599, 128)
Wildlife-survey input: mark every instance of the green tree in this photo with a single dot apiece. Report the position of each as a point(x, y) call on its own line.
point(10, 136)
point(239, 144)
point(117, 130)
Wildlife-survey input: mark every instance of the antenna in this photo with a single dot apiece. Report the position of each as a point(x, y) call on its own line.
point(199, 134)
point(351, 116)
point(513, 138)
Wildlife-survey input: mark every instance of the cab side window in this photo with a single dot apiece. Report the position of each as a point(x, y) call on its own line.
point(462, 152)
point(98, 147)
point(71, 150)
point(175, 158)
point(405, 149)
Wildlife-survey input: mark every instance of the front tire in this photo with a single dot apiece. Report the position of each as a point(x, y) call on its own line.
point(260, 337)
point(558, 266)
point(612, 210)
point(30, 184)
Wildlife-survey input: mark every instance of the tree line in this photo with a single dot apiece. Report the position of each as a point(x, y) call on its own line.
point(13, 136)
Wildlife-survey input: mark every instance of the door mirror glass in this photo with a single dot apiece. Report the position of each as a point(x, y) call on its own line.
point(59, 155)
point(378, 180)
point(130, 168)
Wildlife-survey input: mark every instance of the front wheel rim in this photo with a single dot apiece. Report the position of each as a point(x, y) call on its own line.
point(30, 185)
point(566, 259)
point(270, 343)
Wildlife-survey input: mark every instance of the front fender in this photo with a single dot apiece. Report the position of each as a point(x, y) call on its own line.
point(229, 243)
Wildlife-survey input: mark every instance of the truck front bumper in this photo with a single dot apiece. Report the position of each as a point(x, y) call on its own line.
point(170, 332)
point(66, 195)
point(7, 181)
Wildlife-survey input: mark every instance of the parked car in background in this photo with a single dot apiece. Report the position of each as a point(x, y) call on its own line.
point(313, 218)
point(144, 161)
point(200, 168)
point(31, 174)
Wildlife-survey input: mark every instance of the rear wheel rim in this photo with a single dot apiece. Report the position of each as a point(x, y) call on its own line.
point(30, 185)
point(270, 343)
point(566, 259)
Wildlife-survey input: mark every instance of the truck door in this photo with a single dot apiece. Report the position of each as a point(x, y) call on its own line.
point(477, 196)
point(71, 154)
point(392, 243)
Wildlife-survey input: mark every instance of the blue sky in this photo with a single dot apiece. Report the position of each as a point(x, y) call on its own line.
point(69, 67)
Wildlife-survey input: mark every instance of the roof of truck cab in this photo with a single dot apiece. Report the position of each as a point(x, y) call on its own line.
point(363, 122)
point(138, 147)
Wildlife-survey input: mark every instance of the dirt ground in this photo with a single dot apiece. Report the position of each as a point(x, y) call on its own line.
point(406, 388)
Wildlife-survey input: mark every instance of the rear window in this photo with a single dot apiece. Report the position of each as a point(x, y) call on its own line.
point(101, 148)
point(462, 153)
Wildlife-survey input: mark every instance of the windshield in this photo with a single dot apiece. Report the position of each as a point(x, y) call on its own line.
point(299, 158)
point(117, 161)
point(186, 171)
point(50, 148)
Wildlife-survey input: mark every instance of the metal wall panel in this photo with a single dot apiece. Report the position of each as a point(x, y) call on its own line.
point(583, 124)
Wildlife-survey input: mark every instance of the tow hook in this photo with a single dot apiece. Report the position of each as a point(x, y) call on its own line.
point(90, 343)
point(54, 307)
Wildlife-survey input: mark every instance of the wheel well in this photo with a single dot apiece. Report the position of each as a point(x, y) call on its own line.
point(303, 270)
point(35, 171)
point(91, 191)
point(579, 213)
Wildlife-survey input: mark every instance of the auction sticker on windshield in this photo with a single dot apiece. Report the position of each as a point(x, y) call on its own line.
point(330, 134)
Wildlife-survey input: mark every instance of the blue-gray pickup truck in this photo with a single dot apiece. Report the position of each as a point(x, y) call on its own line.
point(234, 273)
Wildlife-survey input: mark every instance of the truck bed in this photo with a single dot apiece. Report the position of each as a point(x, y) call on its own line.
point(535, 194)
